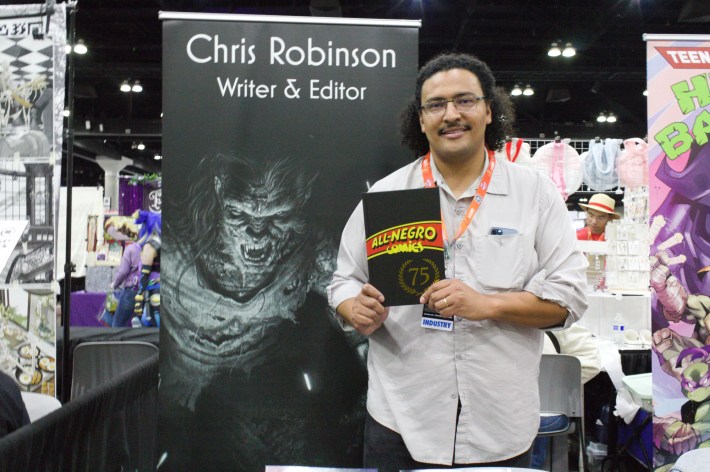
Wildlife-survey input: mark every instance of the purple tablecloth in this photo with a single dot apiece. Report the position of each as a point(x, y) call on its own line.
point(85, 308)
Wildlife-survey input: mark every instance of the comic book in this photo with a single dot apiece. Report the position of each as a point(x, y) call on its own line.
point(405, 248)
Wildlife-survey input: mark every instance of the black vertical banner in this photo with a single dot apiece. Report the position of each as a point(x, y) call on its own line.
point(272, 129)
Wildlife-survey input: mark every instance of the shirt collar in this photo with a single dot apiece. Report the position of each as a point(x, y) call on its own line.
point(498, 185)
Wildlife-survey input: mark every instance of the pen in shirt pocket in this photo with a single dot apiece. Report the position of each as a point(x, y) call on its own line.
point(497, 231)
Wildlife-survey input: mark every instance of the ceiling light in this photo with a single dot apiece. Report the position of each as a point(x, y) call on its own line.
point(67, 49)
point(569, 50)
point(611, 118)
point(137, 87)
point(528, 91)
point(516, 91)
point(87, 125)
point(140, 146)
point(601, 118)
point(80, 47)
point(125, 87)
point(554, 50)
point(66, 112)
point(157, 157)
point(645, 93)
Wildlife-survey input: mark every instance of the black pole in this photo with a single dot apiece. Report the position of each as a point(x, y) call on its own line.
point(69, 133)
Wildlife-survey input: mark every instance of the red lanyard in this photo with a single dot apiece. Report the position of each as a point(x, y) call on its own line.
point(475, 201)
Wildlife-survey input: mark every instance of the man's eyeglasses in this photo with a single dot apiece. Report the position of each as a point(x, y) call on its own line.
point(463, 104)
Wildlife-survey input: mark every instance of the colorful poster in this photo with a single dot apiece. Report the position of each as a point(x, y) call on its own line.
point(272, 128)
point(679, 155)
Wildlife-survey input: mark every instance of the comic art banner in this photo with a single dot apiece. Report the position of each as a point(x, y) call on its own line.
point(679, 156)
point(273, 128)
point(32, 70)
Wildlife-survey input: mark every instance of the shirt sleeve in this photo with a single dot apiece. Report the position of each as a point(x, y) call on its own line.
point(351, 272)
point(124, 267)
point(561, 277)
point(136, 263)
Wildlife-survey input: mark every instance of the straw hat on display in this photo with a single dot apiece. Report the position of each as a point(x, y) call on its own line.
point(603, 203)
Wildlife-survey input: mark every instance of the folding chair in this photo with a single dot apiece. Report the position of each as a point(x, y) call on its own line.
point(562, 393)
point(94, 363)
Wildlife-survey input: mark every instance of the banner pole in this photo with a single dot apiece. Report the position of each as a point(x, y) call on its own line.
point(68, 266)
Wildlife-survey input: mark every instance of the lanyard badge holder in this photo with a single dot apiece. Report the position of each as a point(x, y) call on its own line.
point(433, 320)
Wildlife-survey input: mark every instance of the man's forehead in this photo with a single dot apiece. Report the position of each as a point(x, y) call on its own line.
point(452, 77)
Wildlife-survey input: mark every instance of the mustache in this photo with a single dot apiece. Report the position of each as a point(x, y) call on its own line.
point(452, 126)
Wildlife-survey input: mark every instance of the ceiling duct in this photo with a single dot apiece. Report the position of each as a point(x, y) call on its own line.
point(85, 91)
point(557, 95)
point(325, 8)
point(695, 11)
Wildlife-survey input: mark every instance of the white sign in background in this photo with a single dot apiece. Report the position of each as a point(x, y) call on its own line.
point(10, 233)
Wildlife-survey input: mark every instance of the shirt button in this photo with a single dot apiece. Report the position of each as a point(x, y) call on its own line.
point(457, 318)
point(453, 396)
point(459, 356)
point(459, 245)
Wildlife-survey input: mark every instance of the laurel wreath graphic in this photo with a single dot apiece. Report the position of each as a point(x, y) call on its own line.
point(411, 290)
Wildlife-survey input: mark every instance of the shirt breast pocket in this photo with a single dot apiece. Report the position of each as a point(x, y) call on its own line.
point(499, 261)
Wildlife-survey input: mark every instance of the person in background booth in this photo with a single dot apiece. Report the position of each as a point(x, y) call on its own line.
point(150, 242)
point(13, 413)
point(600, 210)
point(126, 278)
point(468, 396)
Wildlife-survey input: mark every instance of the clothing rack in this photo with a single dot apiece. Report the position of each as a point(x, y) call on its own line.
point(579, 145)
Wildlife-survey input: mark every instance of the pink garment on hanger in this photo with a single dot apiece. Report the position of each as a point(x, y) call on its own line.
point(633, 163)
point(558, 168)
point(560, 162)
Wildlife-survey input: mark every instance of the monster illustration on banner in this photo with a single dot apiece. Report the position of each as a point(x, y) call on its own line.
point(679, 128)
point(273, 130)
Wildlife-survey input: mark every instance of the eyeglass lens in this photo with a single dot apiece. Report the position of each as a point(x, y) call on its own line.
point(463, 104)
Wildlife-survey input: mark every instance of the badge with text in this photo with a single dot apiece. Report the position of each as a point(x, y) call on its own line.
point(404, 243)
point(433, 320)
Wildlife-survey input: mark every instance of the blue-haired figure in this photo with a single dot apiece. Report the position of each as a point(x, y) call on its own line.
point(149, 239)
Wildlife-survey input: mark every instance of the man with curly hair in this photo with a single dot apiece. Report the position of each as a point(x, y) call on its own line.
point(466, 396)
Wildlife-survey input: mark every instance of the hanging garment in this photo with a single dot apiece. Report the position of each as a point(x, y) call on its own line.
point(600, 165)
point(633, 163)
point(515, 150)
point(560, 162)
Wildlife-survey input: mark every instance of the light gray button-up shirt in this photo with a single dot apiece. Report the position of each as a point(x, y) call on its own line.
point(417, 375)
